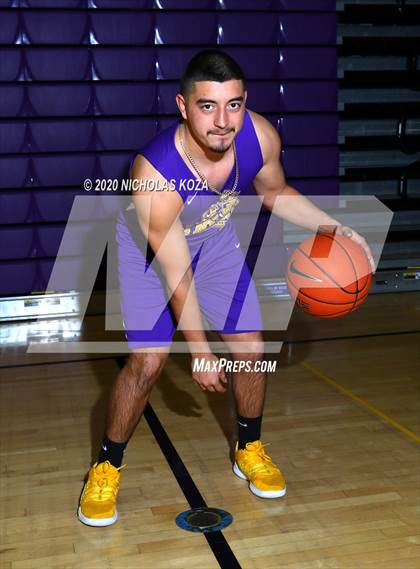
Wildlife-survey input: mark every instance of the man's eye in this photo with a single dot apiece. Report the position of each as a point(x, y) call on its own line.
point(235, 105)
point(207, 107)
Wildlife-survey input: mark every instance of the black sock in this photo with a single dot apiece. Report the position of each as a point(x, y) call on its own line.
point(111, 451)
point(249, 430)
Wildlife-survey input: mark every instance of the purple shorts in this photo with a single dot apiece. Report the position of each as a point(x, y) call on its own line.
point(224, 286)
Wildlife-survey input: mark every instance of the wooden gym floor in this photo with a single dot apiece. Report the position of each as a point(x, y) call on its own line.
point(341, 417)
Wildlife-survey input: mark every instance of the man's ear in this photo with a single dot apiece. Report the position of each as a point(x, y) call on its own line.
point(180, 101)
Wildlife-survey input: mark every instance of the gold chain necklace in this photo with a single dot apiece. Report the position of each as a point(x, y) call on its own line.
point(202, 177)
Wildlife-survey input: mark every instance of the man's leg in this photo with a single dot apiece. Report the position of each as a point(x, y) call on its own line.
point(249, 387)
point(252, 463)
point(129, 396)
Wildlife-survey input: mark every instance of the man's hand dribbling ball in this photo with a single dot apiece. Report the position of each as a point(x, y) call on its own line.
point(354, 236)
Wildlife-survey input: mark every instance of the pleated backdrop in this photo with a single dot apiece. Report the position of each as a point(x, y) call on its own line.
point(83, 83)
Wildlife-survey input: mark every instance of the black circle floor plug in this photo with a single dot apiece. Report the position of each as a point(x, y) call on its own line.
point(204, 519)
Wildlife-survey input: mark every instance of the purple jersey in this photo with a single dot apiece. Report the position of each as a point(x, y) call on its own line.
point(222, 279)
point(162, 153)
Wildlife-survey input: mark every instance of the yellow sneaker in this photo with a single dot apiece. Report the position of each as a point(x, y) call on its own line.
point(254, 465)
point(98, 503)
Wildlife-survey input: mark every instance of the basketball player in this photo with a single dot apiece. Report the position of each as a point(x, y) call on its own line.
point(200, 267)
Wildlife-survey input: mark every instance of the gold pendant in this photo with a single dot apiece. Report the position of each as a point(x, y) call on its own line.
point(227, 193)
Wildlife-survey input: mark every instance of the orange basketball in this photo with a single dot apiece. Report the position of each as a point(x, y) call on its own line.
point(329, 275)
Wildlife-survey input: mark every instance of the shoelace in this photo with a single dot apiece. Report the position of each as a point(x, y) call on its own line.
point(105, 484)
point(266, 462)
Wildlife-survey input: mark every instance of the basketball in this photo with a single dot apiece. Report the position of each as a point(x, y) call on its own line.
point(329, 275)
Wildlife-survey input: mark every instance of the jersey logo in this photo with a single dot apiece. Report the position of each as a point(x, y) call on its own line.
point(217, 215)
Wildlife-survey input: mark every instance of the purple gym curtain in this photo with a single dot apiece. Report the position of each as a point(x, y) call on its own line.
point(84, 82)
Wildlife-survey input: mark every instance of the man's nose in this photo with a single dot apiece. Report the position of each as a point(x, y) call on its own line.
point(221, 119)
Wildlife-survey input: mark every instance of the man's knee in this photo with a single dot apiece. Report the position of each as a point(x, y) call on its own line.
point(248, 345)
point(146, 366)
point(252, 351)
point(257, 352)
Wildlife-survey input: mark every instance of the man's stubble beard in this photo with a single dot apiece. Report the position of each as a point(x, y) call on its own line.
point(221, 148)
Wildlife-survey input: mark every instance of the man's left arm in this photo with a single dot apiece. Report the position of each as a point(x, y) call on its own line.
point(284, 200)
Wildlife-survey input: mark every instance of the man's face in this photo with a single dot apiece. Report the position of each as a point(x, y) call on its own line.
point(214, 112)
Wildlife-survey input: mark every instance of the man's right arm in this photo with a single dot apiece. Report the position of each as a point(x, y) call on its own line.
point(158, 216)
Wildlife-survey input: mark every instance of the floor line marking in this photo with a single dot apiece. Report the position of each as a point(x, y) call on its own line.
point(365, 404)
point(216, 540)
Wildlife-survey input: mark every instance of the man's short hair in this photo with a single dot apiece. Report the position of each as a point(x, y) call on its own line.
point(210, 65)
